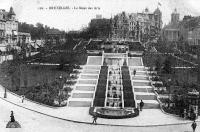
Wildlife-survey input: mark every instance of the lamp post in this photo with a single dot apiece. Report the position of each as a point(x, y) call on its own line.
point(60, 87)
point(169, 83)
point(5, 92)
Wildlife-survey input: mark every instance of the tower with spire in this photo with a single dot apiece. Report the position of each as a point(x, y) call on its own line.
point(11, 14)
point(175, 16)
point(10, 29)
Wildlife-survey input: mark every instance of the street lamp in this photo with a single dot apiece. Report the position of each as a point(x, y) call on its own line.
point(169, 82)
point(60, 87)
point(5, 92)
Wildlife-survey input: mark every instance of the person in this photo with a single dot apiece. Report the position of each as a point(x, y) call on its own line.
point(194, 125)
point(134, 72)
point(94, 119)
point(23, 97)
point(141, 105)
point(12, 118)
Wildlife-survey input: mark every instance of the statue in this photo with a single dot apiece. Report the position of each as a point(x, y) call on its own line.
point(12, 118)
point(12, 123)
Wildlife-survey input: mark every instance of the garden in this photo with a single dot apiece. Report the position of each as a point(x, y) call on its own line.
point(47, 84)
point(172, 79)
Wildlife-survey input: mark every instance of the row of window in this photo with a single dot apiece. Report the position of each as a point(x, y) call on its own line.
point(8, 25)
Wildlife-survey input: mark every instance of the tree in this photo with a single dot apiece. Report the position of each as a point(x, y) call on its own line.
point(167, 65)
point(158, 64)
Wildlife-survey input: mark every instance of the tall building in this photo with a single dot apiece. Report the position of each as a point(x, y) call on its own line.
point(99, 27)
point(137, 26)
point(8, 29)
point(171, 31)
point(120, 26)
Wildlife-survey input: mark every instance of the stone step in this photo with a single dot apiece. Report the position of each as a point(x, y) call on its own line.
point(85, 88)
point(142, 81)
point(92, 67)
point(149, 104)
point(87, 81)
point(141, 84)
point(84, 76)
point(139, 73)
point(89, 71)
point(139, 77)
point(79, 104)
point(145, 96)
point(148, 90)
point(82, 95)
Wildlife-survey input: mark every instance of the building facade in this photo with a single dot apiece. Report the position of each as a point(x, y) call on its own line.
point(54, 37)
point(137, 26)
point(171, 31)
point(8, 29)
point(194, 37)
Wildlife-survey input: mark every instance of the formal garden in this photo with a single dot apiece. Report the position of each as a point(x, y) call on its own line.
point(44, 78)
point(172, 79)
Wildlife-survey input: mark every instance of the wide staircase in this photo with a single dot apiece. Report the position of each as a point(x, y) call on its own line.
point(142, 88)
point(83, 92)
point(141, 84)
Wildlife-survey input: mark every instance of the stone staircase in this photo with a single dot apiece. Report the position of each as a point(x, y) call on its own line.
point(142, 87)
point(83, 92)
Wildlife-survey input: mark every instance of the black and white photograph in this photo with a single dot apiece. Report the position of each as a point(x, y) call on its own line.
point(99, 65)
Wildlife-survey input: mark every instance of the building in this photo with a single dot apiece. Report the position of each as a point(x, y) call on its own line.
point(194, 36)
point(171, 31)
point(8, 29)
point(99, 27)
point(120, 26)
point(26, 37)
point(54, 37)
point(137, 26)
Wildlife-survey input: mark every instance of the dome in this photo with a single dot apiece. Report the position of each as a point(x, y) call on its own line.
point(11, 12)
point(157, 11)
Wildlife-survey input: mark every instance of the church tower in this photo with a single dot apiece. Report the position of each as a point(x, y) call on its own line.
point(158, 19)
point(175, 17)
point(11, 14)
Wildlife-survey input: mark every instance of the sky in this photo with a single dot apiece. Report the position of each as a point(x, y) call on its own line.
point(72, 17)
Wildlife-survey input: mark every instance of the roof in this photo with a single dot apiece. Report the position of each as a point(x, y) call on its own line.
point(157, 11)
point(53, 32)
point(171, 26)
point(7, 14)
point(11, 12)
point(22, 33)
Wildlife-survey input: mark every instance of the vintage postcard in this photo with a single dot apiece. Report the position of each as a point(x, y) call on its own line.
point(99, 65)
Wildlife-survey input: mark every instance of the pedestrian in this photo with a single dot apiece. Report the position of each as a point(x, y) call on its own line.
point(141, 105)
point(134, 72)
point(23, 97)
point(194, 125)
point(94, 119)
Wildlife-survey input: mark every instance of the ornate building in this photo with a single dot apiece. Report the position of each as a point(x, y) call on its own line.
point(171, 31)
point(137, 26)
point(8, 29)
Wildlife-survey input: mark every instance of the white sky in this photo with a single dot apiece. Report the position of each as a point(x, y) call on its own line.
point(70, 19)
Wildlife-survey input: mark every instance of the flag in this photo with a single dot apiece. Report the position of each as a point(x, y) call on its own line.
point(159, 4)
